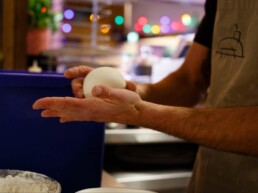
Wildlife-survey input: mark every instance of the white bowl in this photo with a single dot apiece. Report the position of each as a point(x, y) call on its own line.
point(114, 190)
point(26, 181)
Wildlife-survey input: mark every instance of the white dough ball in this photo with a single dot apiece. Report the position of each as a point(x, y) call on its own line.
point(103, 76)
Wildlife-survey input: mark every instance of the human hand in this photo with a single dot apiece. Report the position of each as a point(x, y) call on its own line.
point(107, 105)
point(78, 73)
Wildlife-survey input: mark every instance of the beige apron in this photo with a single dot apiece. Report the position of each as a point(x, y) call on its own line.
point(234, 82)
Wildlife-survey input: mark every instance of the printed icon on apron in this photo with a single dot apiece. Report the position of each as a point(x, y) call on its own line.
point(231, 46)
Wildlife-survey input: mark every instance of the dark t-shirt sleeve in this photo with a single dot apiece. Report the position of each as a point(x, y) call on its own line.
point(205, 30)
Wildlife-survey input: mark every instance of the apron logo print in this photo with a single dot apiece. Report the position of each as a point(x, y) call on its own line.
point(231, 46)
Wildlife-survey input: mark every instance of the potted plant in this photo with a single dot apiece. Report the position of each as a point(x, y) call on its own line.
point(42, 22)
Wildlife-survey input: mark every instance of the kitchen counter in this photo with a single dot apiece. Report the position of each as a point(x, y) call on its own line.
point(137, 136)
point(109, 181)
point(171, 173)
point(169, 180)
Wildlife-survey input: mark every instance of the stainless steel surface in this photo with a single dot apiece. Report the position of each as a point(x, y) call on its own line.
point(169, 181)
point(137, 136)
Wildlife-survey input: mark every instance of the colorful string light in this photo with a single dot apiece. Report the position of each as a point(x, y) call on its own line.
point(147, 28)
point(142, 20)
point(105, 28)
point(132, 37)
point(138, 27)
point(186, 19)
point(165, 29)
point(69, 14)
point(119, 20)
point(94, 18)
point(67, 28)
point(43, 9)
point(165, 20)
point(177, 26)
point(155, 29)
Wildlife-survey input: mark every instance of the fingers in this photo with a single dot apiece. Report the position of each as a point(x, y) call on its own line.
point(57, 114)
point(77, 83)
point(77, 87)
point(78, 71)
point(114, 95)
point(105, 92)
point(43, 103)
point(54, 103)
point(66, 119)
point(66, 108)
point(108, 104)
point(50, 113)
point(82, 71)
point(130, 86)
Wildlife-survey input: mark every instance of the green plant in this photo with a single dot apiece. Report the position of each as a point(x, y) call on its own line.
point(41, 15)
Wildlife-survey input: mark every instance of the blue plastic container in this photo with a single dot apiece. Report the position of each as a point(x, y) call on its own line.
point(71, 153)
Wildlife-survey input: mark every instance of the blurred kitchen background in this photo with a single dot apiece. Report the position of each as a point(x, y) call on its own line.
point(144, 39)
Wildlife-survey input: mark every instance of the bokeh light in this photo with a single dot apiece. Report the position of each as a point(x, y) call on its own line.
point(186, 19)
point(132, 37)
point(67, 28)
point(142, 20)
point(138, 27)
point(165, 29)
point(119, 20)
point(165, 20)
point(105, 28)
point(94, 18)
point(43, 9)
point(69, 14)
point(155, 29)
point(177, 26)
point(147, 28)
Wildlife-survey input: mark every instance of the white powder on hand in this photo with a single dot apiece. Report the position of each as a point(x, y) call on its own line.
point(28, 182)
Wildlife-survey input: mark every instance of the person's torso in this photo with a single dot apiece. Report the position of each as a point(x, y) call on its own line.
point(234, 75)
point(234, 83)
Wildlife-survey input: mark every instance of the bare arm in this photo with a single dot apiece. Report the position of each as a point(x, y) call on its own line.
point(229, 129)
point(186, 86)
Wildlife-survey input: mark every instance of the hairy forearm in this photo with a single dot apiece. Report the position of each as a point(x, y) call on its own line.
point(228, 129)
point(185, 87)
point(181, 92)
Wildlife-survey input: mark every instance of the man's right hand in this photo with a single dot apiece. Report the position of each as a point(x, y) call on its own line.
point(78, 74)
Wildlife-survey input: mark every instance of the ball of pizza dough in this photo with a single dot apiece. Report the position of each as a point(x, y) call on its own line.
point(103, 76)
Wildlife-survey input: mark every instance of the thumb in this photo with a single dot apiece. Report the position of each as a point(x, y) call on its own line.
point(106, 92)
